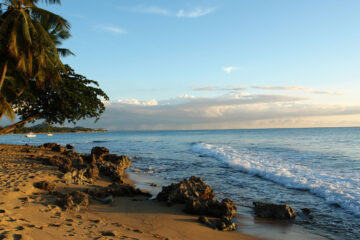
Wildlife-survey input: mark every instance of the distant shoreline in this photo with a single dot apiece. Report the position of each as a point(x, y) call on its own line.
point(95, 131)
point(48, 129)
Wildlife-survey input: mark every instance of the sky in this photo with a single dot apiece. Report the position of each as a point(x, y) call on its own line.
point(219, 64)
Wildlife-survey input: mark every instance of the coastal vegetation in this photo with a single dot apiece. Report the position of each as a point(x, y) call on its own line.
point(48, 128)
point(34, 83)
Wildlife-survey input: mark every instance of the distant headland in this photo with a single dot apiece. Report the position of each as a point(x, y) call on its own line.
point(48, 128)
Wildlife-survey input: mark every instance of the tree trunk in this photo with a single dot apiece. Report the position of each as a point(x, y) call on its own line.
point(3, 74)
point(17, 125)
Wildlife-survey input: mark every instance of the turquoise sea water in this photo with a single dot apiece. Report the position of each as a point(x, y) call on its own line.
point(317, 168)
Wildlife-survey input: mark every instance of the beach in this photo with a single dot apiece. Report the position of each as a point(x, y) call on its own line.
point(27, 212)
point(312, 169)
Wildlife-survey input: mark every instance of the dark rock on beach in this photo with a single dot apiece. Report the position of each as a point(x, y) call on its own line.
point(45, 185)
point(69, 146)
point(181, 192)
point(99, 151)
point(223, 224)
point(99, 162)
point(55, 147)
point(73, 200)
point(114, 166)
point(211, 207)
point(110, 165)
point(272, 210)
point(117, 190)
point(199, 199)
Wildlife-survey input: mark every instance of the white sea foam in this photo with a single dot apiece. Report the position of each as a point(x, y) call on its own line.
point(334, 185)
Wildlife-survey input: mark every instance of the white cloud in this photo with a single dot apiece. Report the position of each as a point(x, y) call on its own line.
point(186, 96)
point(151, 102)
point(328, 92)
point(287, 88)
point(197, 12)
point(230, 69)
point(215, 88)
point(297, 88)
point(112, 29)
point(191, 13)
point(209, 88)
point(228, 111)
point(147, 9)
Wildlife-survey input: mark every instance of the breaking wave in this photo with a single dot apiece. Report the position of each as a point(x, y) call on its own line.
point(335, 186)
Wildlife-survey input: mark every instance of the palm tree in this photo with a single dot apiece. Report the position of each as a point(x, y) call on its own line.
point(28, 37)
point(26, 43)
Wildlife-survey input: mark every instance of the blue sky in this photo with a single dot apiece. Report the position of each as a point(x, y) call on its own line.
point(159, 59)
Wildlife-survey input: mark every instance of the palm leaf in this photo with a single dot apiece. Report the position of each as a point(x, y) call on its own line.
point(6, 109)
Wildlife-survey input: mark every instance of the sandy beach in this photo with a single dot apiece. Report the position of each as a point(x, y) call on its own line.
point(27, 212)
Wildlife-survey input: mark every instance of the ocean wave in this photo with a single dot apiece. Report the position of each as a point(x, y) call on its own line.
point(100, 141)
point(335, 186)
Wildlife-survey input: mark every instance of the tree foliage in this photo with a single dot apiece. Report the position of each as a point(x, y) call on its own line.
point(27, 47)
point(26, 44)
point(34, 83)
point(72, 99)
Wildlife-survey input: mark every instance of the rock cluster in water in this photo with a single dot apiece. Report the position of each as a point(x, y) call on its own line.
point(272, 210)
point(199, 199)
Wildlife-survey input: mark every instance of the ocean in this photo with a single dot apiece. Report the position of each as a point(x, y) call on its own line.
point(315, 168)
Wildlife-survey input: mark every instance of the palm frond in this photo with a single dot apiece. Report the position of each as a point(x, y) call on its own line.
point(6, 109)
point(64, 52)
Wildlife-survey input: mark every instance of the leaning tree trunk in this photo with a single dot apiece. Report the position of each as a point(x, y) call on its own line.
point(3, 74)
point(17, 125)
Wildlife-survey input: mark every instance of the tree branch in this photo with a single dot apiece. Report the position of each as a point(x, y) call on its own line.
point(17, 125)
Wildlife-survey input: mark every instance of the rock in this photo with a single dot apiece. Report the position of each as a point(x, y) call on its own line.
point(99, 151)
point(118, 190)
point(92, 172)
point(73, 200)
point(223, 224)
point(306, 211)
point(77, 177)
point(154, 185)
point(45, 185)
point(272, 210)
point(75, 158)
point(181, 192)
point(114, 166)
point(211, 207)
point(204, 220)
point(89, 167)
point(48, 145)
point(63, 162)
point(55, 147)
point(69, 146)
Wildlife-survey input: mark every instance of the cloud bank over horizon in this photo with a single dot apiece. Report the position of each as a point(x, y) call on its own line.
point(228, 111)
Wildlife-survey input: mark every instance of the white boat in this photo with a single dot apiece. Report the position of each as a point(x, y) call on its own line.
point(30, 135)
point(50, 134)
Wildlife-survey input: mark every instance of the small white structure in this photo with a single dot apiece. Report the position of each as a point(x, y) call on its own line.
point(30, 135)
